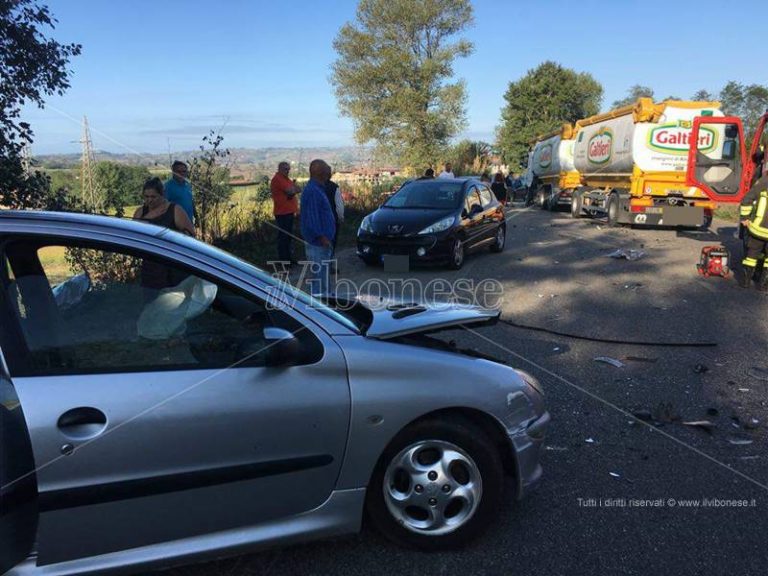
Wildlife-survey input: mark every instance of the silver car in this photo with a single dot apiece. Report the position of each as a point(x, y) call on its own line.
point(162, 402)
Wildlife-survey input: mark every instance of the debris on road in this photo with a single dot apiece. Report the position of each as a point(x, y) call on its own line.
point(712, 412)
point(759, 373)
point(640, 359)
point(740, 440)
point(752, 424)
point(556, 448)
point(665, 413)
point(700, 369)
point(614, 474)
point(621, 253)
point(608, 360)
point(590, 441)
point(644, 415)
point(705, 425)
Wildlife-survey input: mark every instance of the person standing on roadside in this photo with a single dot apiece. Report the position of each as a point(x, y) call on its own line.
point(285, 205)
point(318, 227)
point(447, 172)
point(499, 188)
point(333, 193)
point(178, 190)
point(429, 174)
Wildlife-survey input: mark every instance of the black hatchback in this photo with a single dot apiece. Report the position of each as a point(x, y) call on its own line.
point(438, 220)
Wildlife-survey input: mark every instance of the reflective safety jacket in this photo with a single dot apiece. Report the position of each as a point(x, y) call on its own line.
point(754, 207)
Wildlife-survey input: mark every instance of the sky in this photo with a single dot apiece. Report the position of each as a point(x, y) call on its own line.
point(157, 75)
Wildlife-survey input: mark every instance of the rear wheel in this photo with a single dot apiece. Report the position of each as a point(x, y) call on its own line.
point(437, 486)
point(612, 209)
point(576, 205)
point(541, 199)
point(552, 202)
point(499, 240)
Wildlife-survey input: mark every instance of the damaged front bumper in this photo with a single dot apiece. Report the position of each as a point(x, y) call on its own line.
point(526, 445)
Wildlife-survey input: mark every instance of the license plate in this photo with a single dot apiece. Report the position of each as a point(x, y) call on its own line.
point(683, 216)
point(396, 263)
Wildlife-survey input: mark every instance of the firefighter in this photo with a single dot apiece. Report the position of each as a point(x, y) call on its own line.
point(754, 219)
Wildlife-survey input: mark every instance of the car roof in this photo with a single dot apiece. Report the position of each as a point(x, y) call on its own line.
point(80, 219)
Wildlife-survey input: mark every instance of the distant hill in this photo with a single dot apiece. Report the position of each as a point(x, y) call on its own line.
point(260, 158)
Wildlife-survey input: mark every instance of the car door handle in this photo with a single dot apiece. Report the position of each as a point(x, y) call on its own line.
point(82, 423)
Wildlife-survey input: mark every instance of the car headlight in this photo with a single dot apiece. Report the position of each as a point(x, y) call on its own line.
point(439, 226)
point(365, 225)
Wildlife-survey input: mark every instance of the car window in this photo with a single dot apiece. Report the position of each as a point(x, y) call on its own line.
point(486, 196)
point(87, 309)
point(427, 194)
point(472, 199)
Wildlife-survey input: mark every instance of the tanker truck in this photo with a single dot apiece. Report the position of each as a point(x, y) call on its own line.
point(632, 164)
point(550, 166)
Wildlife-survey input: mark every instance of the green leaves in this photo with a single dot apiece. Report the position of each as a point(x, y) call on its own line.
point(540, 102)
point(393, 75)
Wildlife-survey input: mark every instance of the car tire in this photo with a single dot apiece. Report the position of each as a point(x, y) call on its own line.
point(552, 201)
point(499, 240)
point(452, 453)
point(458, 254)
point(612, 206)
point(576, 205)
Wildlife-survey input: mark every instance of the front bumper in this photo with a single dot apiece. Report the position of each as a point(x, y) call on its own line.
point(420, 248)
point(527, 445)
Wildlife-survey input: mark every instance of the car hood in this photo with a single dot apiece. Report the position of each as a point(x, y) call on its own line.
point(392, 319)
point(400, 221)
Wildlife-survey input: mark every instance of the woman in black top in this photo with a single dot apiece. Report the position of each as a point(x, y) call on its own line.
point(498, 188)
point(157, 210)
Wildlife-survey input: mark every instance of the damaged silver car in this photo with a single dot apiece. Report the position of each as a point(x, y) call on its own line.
point(163, 402)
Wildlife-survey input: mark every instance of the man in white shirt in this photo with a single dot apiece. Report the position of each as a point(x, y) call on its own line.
point(448, 172)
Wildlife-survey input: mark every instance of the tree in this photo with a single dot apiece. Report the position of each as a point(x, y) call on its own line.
point(703, 96)
point(635, 92)
point(31, 67)
point(210, 184)
point(540, 102)
point(392, 75)
point(121, 184)
point(468, 157)
point(749, 102)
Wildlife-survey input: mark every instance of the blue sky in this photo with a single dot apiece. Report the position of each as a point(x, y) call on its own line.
point(155, 74)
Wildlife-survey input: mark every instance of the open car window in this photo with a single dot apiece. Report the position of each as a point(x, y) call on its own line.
point(80, 308)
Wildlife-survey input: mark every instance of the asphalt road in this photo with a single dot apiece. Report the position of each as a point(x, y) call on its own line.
point(556, 275)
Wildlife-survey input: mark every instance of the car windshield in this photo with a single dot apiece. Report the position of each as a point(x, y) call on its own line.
point(430, 194)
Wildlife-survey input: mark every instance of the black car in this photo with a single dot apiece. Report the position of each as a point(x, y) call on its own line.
point(438, 220)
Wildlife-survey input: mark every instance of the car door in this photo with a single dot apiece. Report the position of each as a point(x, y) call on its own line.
point(18, 483)
point(154, 408)
point(492, 213)
point(472, 217)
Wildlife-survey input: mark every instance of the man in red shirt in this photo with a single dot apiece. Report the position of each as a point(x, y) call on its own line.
point(284, 191)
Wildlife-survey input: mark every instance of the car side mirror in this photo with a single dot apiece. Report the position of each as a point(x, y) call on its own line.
point(281, 346)
point(476, 209)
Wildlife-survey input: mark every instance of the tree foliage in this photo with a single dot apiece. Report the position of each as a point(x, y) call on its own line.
point(120, 184)
point(468, 157)
point(32, 67)
point(749, 102)
point(635, 92)
point(540, 102)
point(393, 75)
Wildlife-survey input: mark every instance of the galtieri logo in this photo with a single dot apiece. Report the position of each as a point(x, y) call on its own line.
point(676, 139)
point(600, 146)
point(545, 156)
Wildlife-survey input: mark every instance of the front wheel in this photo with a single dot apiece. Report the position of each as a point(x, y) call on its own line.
point(437, 486)
point(457, 254)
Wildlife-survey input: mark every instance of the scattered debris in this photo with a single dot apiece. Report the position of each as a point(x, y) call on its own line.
point(621, 253)
point(705, 425)
point(614, 474)
point(556, 448)
point(665, 413)
point(712, 412)
point(556, 349)
point(590, 441)
point(630, 286)
point(700, 369)
point(608, 360)
point(644, 415)
point(743, 389)
point(759, 373)
point(640, 359)
point(752, 424)
point(753, 457)
point(740, 440)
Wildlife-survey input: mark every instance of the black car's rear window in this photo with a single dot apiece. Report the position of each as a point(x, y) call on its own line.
point(427, 194)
